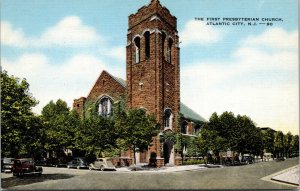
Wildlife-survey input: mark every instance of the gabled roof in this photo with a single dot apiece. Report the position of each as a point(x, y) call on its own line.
point(184, 110)
point(190, 114)
point(120, 80)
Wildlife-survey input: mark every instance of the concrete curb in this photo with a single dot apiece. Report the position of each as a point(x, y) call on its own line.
point(269, 178)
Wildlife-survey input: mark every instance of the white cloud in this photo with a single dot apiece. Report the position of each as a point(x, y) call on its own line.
point(68, 32)
point(12, 37)
point(274, 38)
point(118, 53)
point(257, 82)
point(196, 32)
point(68, 80)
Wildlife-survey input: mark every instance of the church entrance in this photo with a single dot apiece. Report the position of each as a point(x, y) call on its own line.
point(167, 150)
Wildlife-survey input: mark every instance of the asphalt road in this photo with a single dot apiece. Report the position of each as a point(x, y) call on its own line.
point(238, 177)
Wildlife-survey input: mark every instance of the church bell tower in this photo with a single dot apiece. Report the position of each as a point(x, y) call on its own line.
point(152, 70)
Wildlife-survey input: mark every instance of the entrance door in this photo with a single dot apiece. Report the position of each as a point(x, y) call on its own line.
point(167, 148)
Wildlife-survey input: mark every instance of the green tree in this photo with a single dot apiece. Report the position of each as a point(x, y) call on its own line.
point(295, 145)
point(248, 137)
point(227, 131)
point(268, 141)
point(288, 144)
point(136, 129)
point(98, 135)
point(16, 114)
point(209, 140)
point(60, 126)
point(279, 144)
point(33, 139)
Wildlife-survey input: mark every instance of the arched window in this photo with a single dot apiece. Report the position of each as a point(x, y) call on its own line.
point(137, 43)
point(168, 119)
point(105, 107)
point(147, 44)
point(169, 50)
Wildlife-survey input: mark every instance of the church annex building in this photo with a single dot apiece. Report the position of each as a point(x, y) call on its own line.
point(152, 81)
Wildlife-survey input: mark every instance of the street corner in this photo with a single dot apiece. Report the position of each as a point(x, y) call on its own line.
point(289, 176)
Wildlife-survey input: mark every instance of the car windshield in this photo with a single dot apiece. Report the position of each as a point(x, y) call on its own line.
point(8, 160)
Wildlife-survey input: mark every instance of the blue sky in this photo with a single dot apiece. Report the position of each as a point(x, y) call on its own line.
point(61, 47)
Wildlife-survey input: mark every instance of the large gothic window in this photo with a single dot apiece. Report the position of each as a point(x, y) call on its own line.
point(105, 107)
point(147, 44)
point(168, 119)
point(137, 41)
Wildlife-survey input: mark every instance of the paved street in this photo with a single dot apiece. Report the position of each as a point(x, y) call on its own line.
point(237, 177)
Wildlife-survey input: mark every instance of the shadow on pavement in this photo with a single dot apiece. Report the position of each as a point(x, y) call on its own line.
point(30, 179)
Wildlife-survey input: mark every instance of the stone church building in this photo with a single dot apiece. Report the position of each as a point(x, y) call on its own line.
point(152, 81)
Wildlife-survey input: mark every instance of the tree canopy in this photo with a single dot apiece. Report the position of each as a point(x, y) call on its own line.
point(228, 131)
point(60, 125)
point(17, 120)
point(136, 129)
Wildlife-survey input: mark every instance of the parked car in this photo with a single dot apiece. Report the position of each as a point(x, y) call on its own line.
point(77, 163)
point(26, 166)
point(248, 159)
point(42, 162)
point(60, 162)
point(8, 164)
point(280, 159)
point(102, 164)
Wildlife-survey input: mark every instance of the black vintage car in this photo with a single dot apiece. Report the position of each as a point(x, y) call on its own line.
point(78, 163)
point(248, 159)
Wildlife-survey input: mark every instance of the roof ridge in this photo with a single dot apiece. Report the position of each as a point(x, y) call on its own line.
point(120, 80)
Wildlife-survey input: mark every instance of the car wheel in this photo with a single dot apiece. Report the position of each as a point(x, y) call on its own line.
point(102, 168)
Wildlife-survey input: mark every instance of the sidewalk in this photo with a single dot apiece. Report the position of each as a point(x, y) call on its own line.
point(289, 176)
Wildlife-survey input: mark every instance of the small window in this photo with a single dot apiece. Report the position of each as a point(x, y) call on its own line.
point(169, 51)
point(184, 127)
point(147, 44)
point(163, 43)
point(168, 119)
point(137, 49)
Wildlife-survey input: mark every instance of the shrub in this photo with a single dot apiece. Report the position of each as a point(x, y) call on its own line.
point(193, 161)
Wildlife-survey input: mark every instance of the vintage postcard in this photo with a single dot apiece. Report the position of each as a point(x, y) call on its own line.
point(149, 94)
